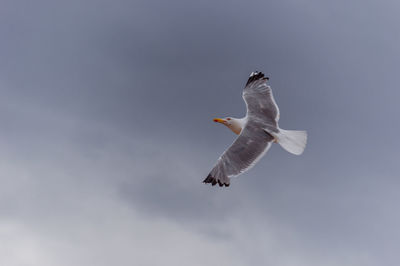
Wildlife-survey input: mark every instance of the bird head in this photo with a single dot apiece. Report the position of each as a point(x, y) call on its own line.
point(233, 124)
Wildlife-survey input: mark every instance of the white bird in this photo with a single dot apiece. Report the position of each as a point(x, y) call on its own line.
point(257, 130)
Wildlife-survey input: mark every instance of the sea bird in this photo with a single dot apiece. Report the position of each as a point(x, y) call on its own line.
point(257, 131)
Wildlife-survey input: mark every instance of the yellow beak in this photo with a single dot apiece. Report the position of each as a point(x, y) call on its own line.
point(219, 120)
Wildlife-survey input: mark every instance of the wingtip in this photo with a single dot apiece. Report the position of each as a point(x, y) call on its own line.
point(213, 181)
point(256, 75)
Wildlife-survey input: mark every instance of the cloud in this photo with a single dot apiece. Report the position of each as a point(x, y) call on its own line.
point(106, 133)
point(129, 199)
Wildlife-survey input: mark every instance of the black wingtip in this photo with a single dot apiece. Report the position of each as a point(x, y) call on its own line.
point(256, 76)
point(210, 179)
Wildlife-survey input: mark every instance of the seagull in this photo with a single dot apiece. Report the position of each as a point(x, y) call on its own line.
point(257, 131)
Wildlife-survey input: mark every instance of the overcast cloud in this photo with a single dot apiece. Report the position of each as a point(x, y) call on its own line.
point(106, 133)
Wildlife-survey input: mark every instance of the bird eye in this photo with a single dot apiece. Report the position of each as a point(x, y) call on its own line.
point(228, 119)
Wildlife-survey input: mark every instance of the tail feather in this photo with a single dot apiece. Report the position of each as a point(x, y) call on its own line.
point(293, 141)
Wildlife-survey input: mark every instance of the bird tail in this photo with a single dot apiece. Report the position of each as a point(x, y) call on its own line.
point(293, 141)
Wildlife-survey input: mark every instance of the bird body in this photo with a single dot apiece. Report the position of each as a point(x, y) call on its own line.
point(257, 131)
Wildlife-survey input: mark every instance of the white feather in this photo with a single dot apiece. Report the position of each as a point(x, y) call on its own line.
point(293, 141)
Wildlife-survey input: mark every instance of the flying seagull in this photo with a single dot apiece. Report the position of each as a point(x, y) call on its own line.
point(257, 131)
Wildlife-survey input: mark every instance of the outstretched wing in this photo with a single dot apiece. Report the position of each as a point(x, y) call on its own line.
point(252, 143)
point(259, 100)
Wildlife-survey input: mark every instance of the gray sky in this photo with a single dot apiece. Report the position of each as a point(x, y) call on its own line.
point(107, 133)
